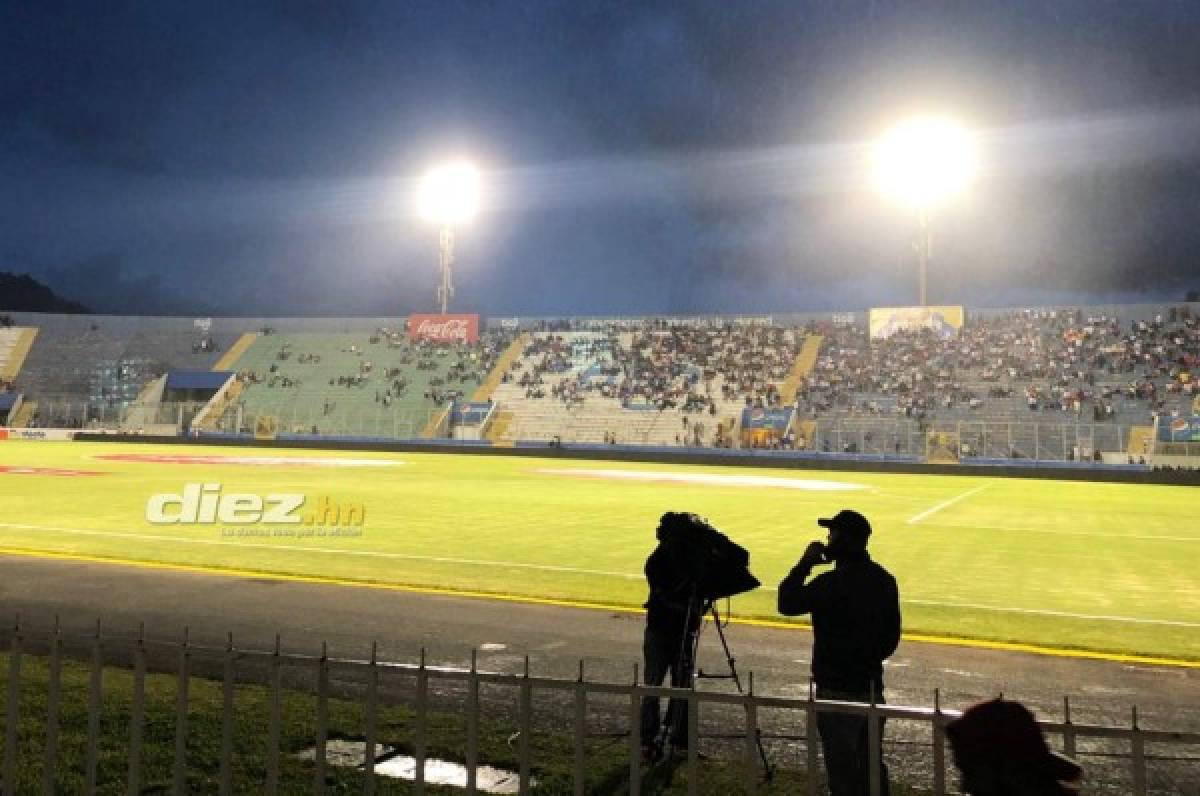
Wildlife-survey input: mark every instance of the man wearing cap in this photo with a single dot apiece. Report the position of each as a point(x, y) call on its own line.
point(1000, 751)
point(855, 611)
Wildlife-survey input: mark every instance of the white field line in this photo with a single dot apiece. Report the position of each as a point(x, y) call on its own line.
point(1040, 612)
point(1055, 531)
point(711, 479)
point(255, 461)
point(548, 568)
point(944, 504)
point(1057, 614)
point(318, 550)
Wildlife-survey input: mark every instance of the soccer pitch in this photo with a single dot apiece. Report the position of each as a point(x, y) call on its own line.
point(1075, 565)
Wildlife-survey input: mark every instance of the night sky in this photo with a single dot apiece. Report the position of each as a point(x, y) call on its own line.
point(638, 157)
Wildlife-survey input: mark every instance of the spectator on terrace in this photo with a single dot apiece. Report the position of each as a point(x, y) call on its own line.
point(1000, 751)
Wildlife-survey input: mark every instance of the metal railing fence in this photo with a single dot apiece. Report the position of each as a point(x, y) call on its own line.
point(374, 421)
point(74, 412)
point(579, 692)
point(989, 439)
point(1178, 448)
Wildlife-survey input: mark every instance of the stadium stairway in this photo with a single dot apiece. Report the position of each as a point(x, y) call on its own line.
point(209, 416)
point(227, 360)
point(437, 424)
point(496, 377)
point(145, 411)
point(806, 360)
point(498, 430)
point(1141, 440)
point(15, 342)
point(24, 415)
point(808, 430)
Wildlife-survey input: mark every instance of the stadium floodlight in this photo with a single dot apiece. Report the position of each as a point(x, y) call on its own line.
point(449, 197)
point(449, 193)
point(922, 163)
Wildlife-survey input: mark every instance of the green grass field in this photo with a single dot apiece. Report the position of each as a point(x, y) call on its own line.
point(1105, 567)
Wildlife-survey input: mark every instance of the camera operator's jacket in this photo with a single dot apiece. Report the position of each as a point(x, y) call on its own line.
point(855, 611)
point(671, 590)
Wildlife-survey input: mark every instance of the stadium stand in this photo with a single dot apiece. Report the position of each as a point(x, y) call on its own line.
point(1011, 386)
point(364, 383)
point(87, 370)
point(1032, 384)
point(656, 384)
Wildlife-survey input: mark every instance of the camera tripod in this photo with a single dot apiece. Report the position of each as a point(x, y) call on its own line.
point(684, 676)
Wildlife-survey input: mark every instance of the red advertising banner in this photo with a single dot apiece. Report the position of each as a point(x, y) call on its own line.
point(444, 328)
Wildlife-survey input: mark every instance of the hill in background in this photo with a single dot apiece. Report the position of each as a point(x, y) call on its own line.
point(23, 293)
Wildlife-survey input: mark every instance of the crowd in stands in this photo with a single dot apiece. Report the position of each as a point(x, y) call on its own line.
point(1058, 360)
point(458, 366)
point(590, 360)
point(1061, 366)
point(663, 366)
point(681, 365)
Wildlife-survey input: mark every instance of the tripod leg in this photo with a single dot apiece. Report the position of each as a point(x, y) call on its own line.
point(725, 646)
point(675, 727)
point(681, 677)
point(768, 771)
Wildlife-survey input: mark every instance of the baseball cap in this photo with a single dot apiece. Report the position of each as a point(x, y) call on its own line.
point(848, 520)
point(1000, 729)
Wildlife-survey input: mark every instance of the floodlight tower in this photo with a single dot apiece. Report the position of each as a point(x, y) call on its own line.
point(449, 197)
point(922, 163)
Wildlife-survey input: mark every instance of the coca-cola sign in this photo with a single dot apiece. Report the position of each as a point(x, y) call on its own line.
point(444, 328)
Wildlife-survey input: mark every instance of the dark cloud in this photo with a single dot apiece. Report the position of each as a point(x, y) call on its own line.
point(257, 158)
point(113, 290)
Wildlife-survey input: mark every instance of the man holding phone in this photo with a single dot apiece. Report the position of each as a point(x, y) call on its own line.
point(855, 611)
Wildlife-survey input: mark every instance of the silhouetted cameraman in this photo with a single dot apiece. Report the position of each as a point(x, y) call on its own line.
point(855, 611)
point(673, 613)
point(693, 565)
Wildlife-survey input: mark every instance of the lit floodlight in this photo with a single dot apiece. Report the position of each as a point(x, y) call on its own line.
point(924, 161)
point(449, 194)
point(449, 197)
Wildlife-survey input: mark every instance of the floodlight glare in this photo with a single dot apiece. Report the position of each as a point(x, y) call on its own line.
point(924, 161)
point(449, 197)
point(449, 194)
